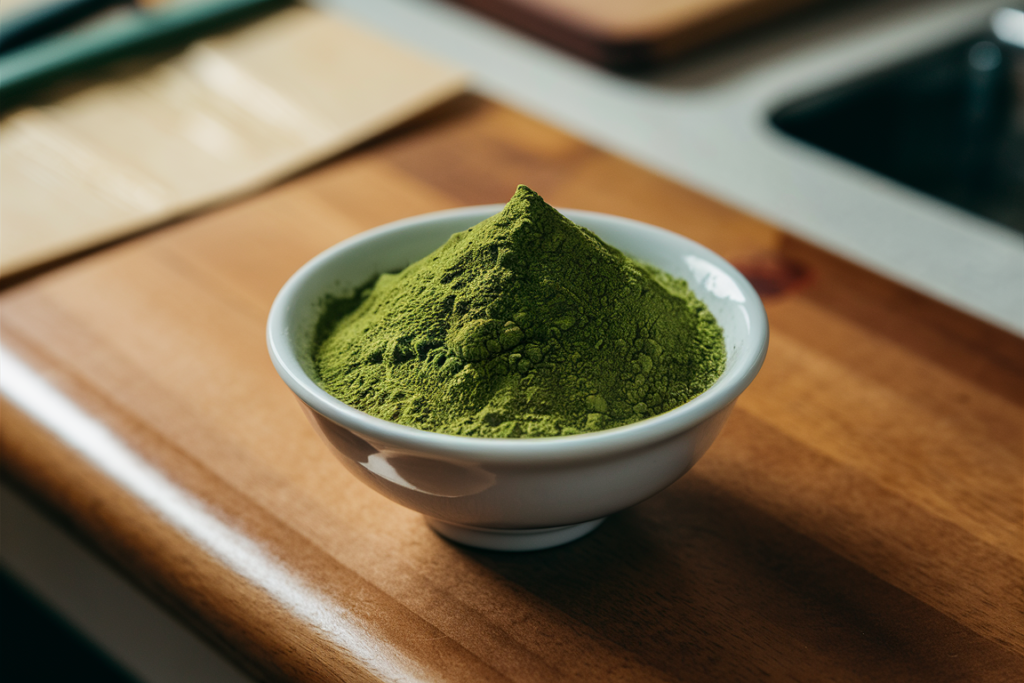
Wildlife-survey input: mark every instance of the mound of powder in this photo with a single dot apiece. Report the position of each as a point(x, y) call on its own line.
point(525, 325)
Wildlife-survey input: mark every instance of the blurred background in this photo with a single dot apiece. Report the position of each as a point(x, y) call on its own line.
point(890, 132)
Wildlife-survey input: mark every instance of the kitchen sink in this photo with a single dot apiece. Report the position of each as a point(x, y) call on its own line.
point(949, 123)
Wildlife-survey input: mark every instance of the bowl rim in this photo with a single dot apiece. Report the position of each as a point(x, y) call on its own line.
point(494, 450)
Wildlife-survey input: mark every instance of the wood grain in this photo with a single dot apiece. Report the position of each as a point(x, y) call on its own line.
point(859, 519)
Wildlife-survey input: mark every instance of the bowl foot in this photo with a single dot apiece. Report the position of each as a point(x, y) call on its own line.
point(514, 540)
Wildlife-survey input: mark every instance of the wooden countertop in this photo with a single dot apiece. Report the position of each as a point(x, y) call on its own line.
point(860, 517)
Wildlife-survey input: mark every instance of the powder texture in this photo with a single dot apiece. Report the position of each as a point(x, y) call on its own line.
point(525, 325)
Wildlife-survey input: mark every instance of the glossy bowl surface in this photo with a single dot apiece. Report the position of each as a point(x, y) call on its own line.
point(515, 494)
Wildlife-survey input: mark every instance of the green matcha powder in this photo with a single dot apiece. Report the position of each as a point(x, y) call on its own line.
point(525, 325)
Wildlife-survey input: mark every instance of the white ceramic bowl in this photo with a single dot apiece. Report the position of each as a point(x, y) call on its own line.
point(516, 494)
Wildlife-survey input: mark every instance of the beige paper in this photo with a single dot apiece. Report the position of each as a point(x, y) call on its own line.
point(228, 116)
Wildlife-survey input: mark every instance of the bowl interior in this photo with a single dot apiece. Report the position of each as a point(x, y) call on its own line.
point(342, 269)
point(350, 264)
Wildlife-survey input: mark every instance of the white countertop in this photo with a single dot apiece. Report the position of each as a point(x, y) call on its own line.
point(704, 122)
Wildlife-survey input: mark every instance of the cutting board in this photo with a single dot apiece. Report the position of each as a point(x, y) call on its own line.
point(627, 34)
point(858, 519)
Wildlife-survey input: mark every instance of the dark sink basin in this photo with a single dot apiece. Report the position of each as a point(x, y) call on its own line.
point(949, 123)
